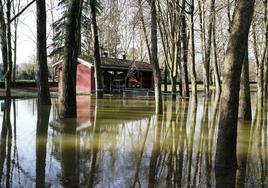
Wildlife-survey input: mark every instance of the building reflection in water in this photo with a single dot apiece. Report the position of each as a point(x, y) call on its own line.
point(121, 143)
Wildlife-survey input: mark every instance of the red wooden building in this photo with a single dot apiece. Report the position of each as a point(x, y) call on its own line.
point(116, 74)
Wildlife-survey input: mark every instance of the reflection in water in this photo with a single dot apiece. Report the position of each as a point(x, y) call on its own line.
point(6, 145)
point(121, 143)
point(69, 153)
point(43, 113)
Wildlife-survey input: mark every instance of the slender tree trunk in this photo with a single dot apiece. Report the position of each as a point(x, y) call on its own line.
point(15, 55)
point(244, 98)
point(16, 9)
point(263, 64)
point(192, 54)
point(9, 52)
point(203, 38)
point(144, 28)
point(265, 2)
point(3, 35)
point(42, 73)
point(227, 132)
point(68, 93)
point(154, 60)
point(97, 61)
point(185, 86)
point(166, 76)
point(208, 48)
point(216, 66)
point(79, 31)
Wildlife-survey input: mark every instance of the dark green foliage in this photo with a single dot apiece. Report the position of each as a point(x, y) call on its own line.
point(86, 35)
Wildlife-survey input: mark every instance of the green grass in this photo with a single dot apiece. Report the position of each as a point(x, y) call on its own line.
point(32, 92)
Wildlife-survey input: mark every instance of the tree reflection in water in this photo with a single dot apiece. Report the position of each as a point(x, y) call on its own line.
point(121, 143)
point(43, 113)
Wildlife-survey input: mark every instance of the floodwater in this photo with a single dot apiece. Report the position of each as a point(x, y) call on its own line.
point(121, 143)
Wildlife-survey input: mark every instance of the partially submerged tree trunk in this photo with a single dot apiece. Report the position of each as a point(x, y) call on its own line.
point(185, 86)
point(42, 73)
point(208, 49)
point(244, 96)
point(227, 132)
point(203, 41)
point(192, 54)
point(214, 45)
point(97, 59)
point(68, 88)
point(154, 59)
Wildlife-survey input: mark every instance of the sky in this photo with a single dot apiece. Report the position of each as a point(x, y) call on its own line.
point(26, 46)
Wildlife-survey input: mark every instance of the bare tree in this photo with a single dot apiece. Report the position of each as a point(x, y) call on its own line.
point(154, 59)
point(97, 59)
point(43, 87)
point(227, 133)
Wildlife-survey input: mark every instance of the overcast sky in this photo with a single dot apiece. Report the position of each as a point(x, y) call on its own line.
point(27, 33)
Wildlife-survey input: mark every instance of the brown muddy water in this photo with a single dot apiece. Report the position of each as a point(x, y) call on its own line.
point(121, 143)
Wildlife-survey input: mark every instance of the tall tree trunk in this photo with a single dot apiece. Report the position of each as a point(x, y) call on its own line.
point(244, 98)
point(79, 30)
point(185, 86)
point(203, 38)
point(265, 2)
point(227, 132)
point(192, 54)
point(97, 59)
point(144, 28)
point(16, 8)
point(3, 35)
point(216, 66)
point(208, 49)
point(42, 73)
point(166, 77)
point(154, 59)
point(261, 74)
point(15, 55)
point(68, 88)
point(9, 52)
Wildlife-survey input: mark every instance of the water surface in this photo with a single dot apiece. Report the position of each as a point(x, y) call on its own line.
point(121, 143)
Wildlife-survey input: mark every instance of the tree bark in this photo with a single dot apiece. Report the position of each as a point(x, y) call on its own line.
point(265, 2)
point(192, 54)
point(68, 88)
point(154, 59)
point(42, 73)
point(97, 59)
point(79, 30)
point(208, 49)
point(216, 66)
point(9, 51)
point(3, 35)
point(185, 86)
point(244, 98)
point(227, 132)
point(16, 8)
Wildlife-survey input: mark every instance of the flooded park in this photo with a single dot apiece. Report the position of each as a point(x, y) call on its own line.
point(122, 143)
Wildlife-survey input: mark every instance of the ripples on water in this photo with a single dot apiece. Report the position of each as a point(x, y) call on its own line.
point(121, 143)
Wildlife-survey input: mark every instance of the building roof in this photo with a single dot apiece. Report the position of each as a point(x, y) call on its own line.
point(112, 63)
